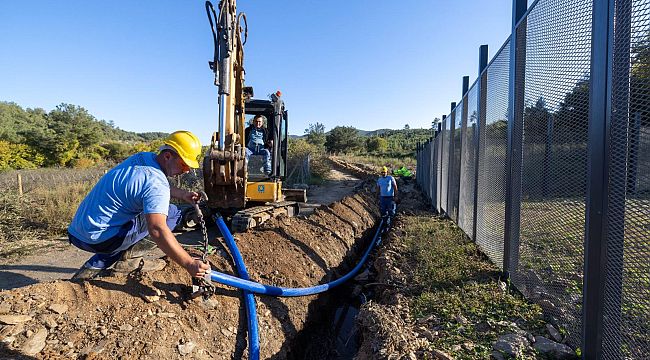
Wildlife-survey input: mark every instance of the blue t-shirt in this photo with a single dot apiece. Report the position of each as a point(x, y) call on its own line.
point(386, 185)
point(256, 137)
point(137, 185)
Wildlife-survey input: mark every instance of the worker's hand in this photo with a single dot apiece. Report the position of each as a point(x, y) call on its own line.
point(198, 268)
point(396, 199)
point(191, 197)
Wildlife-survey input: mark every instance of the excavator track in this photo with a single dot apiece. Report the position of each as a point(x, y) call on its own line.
point(254, 216)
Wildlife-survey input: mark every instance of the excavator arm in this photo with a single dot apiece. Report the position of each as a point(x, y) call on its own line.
point(224, 166)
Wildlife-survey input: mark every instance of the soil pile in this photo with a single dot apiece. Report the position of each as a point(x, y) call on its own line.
point(386, 326)
point(150, 316)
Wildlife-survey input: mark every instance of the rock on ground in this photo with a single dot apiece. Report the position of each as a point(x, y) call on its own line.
point(553, 349)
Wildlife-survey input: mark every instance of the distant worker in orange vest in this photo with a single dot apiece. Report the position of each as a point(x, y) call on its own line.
point(387, 187)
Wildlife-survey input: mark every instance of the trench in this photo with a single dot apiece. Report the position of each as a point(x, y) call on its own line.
point(329, 331)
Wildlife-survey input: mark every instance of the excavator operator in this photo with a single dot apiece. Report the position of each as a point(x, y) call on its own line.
point(257, 142)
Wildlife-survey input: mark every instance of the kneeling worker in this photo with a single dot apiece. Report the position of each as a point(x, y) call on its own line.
point(131, 201)
point(387, 187)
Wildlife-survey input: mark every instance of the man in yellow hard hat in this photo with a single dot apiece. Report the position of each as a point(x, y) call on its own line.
point(387, 188)
point(131, 201)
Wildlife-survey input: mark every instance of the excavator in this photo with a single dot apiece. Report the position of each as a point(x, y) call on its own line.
point(249, 195)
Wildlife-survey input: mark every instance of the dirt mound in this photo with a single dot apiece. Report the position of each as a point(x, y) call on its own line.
point(385, 323)
point(149, 315)
point(361, 171)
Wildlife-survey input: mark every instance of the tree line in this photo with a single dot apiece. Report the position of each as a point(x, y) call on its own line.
point(349, 140)
point(67, 136)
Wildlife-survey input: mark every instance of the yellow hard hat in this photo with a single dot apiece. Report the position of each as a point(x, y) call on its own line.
point(384, 169)
point(186, 145)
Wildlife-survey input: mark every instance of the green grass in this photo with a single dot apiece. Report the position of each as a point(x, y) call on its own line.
point(453, 280)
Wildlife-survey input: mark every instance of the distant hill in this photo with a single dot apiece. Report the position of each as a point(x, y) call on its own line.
point(18, 124)
point(373, 132)
point(399, 142)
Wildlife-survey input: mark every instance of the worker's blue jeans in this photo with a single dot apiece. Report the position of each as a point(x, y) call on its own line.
point(260, 150)
point(110, 251)
point(387, 205)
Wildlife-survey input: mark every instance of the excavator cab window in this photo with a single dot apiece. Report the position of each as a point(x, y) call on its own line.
point(256, 166)
point(276, 129)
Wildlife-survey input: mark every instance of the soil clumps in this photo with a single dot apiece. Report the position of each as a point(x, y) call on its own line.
point(149, 315)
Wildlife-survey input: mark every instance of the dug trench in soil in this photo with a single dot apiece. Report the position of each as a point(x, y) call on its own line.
point(329, 331)
point(149, 316)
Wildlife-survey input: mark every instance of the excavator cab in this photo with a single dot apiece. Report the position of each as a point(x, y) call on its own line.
point(276, 125)
point(263, 188)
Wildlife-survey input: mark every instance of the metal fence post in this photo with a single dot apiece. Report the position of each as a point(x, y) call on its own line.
point(461, 133)
point(440, 152)
point(598, 170)
point(450, 167)
point(481, 97)
point(515, 131)
point(433, 185)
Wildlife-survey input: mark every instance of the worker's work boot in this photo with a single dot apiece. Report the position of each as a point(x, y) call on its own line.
point(86, 273)
point(135, 258)
point(139, 263)
point(139, 249)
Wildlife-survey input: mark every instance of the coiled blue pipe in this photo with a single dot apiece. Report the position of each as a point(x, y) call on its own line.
point(251, 286)
point(249, 298)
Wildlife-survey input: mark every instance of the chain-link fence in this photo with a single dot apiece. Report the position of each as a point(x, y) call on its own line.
point(299, 170)
point(545, 164)
point(24, 181)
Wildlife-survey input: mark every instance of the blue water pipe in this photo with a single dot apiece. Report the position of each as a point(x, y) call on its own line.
point(249, 287)
point(258, 288)
point(249, 298)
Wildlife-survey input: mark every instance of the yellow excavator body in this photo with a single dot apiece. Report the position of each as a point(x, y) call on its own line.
point(227, 181)
point(264, 191)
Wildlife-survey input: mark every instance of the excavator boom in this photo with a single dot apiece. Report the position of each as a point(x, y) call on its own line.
point(227, 182)
point(224, 166)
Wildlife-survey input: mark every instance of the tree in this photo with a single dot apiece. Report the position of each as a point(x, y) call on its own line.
point(75, 122)
point(434, 123)
point(376, 144)
point(13, 120)
point(18, 156)
point(316, 134)
point(342, 139)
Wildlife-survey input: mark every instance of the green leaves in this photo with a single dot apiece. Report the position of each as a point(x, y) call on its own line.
point(66, 136)
point(316, 134)
point(343, 139)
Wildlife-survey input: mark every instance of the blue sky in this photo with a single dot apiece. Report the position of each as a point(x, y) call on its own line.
point(143, 64)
